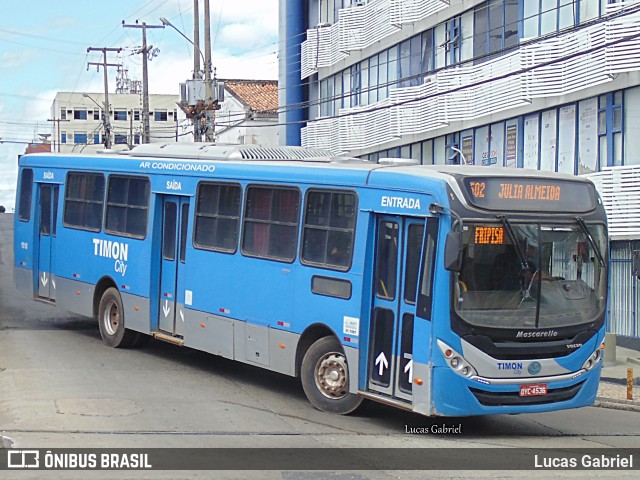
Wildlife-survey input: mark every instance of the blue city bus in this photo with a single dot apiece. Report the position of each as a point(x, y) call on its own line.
point(444, 290)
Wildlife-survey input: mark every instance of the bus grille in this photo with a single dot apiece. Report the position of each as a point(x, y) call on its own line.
point(496, 399)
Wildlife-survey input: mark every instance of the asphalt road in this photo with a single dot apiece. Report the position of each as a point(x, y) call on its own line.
point(60, 386)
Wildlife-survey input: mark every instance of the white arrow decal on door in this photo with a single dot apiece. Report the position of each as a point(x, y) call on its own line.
point(166, 308)
point(181, 315)
point(382, 360)
point(409, 368)
point(53, 283)
point(44, 278)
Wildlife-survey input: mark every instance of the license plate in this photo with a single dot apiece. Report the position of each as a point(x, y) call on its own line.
point(535, 390)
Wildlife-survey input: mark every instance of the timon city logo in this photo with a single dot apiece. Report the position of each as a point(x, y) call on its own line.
point(118, 251)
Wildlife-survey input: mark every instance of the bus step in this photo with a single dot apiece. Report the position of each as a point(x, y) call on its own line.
point(168, 338)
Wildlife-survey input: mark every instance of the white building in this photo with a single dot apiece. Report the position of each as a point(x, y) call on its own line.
point(248, 114)
point(79, 127)
point(545, 84)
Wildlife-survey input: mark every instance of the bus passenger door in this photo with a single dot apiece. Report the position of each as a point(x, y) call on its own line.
point(175, 216)
point(48, 212)
point(397, 263)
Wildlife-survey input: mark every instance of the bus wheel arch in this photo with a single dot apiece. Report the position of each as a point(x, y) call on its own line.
point(111, 318)
point(324, 373)
point(103, 284)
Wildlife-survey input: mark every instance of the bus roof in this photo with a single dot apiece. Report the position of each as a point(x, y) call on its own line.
point(299, 160)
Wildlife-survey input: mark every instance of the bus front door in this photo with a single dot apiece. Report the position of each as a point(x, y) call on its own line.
point(397, 263)
point(175, 215)
point(48, 212)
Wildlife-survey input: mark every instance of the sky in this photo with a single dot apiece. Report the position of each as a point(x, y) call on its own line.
point(43, 50)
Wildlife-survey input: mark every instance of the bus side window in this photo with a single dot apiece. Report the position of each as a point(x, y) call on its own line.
point(270, 227)
point(328, 229)
point(127, 206)
point(26, 191)
point(84, 201)
point(217, 217)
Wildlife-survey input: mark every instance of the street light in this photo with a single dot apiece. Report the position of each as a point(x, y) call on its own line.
point(167, 23)
point(105, 121)
point(457, 150)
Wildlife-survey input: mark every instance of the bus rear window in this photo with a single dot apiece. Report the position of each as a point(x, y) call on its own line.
point(26, 190)
point(127, 206)
point(84, 200)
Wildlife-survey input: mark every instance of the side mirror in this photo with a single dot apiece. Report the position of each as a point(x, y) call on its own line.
point(453, 252)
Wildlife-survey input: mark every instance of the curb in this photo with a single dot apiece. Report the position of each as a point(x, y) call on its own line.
point(628, 405)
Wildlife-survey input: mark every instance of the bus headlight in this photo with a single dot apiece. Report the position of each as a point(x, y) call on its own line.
point(456, 361)
point(593, 360)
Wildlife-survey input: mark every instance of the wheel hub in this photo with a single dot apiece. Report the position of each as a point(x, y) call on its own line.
point(331, 376)
point(111, 318)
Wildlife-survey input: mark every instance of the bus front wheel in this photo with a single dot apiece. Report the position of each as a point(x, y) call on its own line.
point(111, 320)
point(325, 378)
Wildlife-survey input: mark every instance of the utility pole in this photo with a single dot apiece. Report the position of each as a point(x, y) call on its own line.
point(145, 77)
point(56, 122)
point(196, 40)
point(210, 128)
point(197, 136)
point(106, 119)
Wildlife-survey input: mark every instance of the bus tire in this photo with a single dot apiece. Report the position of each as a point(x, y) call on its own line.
point(111, 321)
point(325, 378)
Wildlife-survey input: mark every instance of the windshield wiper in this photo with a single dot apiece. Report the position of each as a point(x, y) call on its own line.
point(507, 226)
point(592, 241)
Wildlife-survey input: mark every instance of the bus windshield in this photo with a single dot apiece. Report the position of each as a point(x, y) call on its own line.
point(531, 275)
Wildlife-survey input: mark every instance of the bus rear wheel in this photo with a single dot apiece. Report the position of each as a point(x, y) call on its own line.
point(325, 378)
point(111, 321)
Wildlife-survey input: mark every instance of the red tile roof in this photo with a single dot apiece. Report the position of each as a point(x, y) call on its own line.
point(38, 148)
point(261, 96)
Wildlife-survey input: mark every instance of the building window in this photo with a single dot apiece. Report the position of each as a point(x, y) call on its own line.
point(136, 115)
point(548, 140)
point(63, 137)
point(96, 138)
point(271, 223)
point(588, 135)
point(541, 17)
point(355, 85)
point(120, 139)
point(136, 139)
point(63, 114)
point(96, 114)
point(79, 114)
point(80, 137)
point(119, 114)
point(567, 139)
point(329, 227)
point(328, 9)
point(453, 149)
point(217, 217)
point(160, 115)
point(495, 27)
point(84, 200)
point(632, 126)
point(610, 115)
point(453, 41)
point(127, 206)
point(531, 141)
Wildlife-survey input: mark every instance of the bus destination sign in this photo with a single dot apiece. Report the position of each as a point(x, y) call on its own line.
point(529, 194)
point(489, 235)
